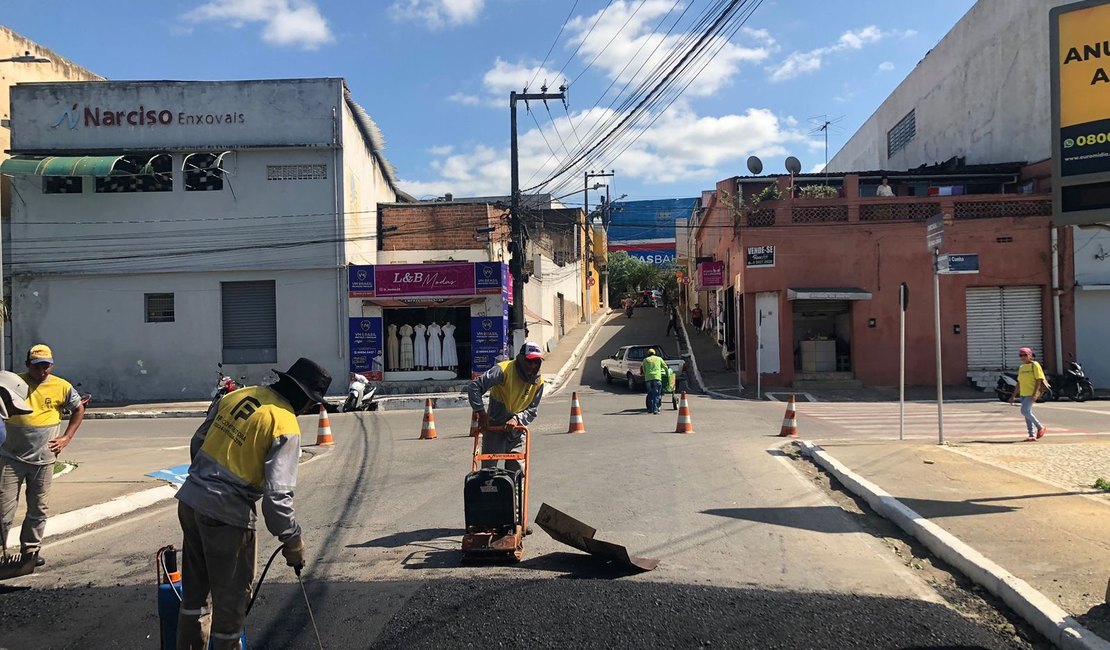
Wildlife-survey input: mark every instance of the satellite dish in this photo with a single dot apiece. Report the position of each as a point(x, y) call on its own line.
point(755, 165)
point(793, 165)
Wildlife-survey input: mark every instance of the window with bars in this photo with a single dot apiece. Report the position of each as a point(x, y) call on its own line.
point(202, 173)
point(138, 174)
point(62, 184)
point(899, 136)
point(296, 172)
point(159, 307)
point(249, 316)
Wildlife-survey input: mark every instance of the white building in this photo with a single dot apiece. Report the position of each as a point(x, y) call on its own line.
point(158, 228)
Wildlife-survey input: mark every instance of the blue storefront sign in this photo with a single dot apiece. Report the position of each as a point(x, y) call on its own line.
point(487, 341)
point(367, 357)
point(360, 279)
point(489, 277)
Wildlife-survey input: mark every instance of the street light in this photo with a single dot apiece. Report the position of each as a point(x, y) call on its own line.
point(26, 57)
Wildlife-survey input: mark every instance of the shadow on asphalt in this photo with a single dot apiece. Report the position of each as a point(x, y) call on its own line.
point(580, 566)
point(821, 519)
point(406, 538)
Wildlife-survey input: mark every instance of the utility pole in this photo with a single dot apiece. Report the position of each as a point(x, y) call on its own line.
point(586, 208)
point(516, 230)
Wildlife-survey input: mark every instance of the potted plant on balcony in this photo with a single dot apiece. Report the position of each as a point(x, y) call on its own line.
point(818, 192)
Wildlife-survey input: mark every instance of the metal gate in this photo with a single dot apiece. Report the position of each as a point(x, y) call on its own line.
point(560, 329)
point(999, 321)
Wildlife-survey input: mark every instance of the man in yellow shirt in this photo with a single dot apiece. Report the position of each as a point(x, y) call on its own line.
point(1031, 383)
point(244, 452)
point(515, 388)
point(27, 456)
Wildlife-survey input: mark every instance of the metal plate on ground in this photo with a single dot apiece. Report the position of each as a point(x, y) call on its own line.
point(568, 530)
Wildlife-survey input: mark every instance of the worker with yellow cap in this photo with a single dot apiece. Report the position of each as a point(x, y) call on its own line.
point(27, 456)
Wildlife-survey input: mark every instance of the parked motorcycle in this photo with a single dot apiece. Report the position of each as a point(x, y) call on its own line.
point(224, 385)
point(360, 395)
point(1005, 388)
point(1074, 384)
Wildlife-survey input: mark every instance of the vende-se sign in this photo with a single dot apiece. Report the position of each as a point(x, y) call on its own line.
point(761, 256)
point(711, 275)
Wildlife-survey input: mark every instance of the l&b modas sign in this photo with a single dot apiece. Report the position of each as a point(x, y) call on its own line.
point(424, 280)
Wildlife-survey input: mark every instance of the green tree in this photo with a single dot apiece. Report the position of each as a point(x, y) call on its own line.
point(628, 274)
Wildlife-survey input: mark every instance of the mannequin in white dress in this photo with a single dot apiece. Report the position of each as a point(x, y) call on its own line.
point(450, 353)
point(435, 347)
point(391, 354)
point(420, 347)
point(406, 347)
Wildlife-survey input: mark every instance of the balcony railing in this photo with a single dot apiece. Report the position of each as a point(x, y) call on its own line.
point(787, 212)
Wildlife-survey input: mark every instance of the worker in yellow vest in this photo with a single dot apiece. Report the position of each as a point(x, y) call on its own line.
point(653, 368)
point(515, 388)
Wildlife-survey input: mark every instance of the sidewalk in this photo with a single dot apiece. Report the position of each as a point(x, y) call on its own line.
point(714, 379)
point(1024, 521)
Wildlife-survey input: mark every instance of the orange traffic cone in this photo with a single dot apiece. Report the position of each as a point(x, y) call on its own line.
point(576, 423)
point(428, 429)
point(474, 425)
point(789, 422)
point(323, 430)
point(685, 424)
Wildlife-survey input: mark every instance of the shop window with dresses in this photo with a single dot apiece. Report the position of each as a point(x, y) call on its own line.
point(427, 322)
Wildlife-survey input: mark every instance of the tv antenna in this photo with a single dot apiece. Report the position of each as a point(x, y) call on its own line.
point(822, 124)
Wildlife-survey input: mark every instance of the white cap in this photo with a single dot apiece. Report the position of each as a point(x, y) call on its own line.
point(16, 389)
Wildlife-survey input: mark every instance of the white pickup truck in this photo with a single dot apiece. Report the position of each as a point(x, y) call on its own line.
point(624, 365)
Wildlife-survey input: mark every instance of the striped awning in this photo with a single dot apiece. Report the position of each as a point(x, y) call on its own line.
point(60, 166)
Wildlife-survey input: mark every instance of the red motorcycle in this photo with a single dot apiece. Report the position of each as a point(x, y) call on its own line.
point(224, 385)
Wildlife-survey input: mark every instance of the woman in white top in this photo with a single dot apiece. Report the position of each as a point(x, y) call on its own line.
point(450, 353)
point(435, 347)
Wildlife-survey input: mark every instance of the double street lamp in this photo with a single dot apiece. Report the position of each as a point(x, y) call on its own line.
point(26, 57)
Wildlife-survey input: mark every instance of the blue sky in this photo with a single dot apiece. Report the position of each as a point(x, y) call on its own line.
point(436, 75)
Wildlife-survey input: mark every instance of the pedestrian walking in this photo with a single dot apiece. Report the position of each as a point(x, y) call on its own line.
point(672, 322)
point(1030, 384)
point(32, 445)
point(246, 450)
point(653, 368)
point(696, 317)
point(515, 389)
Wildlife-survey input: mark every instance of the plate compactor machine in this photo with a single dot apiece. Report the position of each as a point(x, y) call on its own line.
point(495, 502)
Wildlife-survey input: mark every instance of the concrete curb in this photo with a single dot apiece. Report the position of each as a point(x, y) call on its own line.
point(145, 415)
point(1033, 606)
point(67, 522)
point(416, 401)
point(694, 365)
point(579, 351)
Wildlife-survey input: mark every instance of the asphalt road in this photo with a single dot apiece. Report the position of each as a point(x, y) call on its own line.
point(751, 553)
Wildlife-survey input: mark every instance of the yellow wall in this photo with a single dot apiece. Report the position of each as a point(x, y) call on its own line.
point(59, 69)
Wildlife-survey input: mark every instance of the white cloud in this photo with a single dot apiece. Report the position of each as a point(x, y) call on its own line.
point(681, 145)
point(285, 22)
point(505, 77)
point(622, 44)
point(437, 14)
point(442, 150)
point(800, 63)
point(886, 66)
point(817, 169)
point(463, 98)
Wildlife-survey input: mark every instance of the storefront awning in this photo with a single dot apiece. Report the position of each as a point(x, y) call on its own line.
point(423, 302)
point(828, 293)
point(534, 317)
point(60, 166)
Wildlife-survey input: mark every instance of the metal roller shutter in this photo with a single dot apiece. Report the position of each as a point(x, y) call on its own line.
point(1022, 322)
point(984, 328)
point(999, 321)
point(249, 322)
